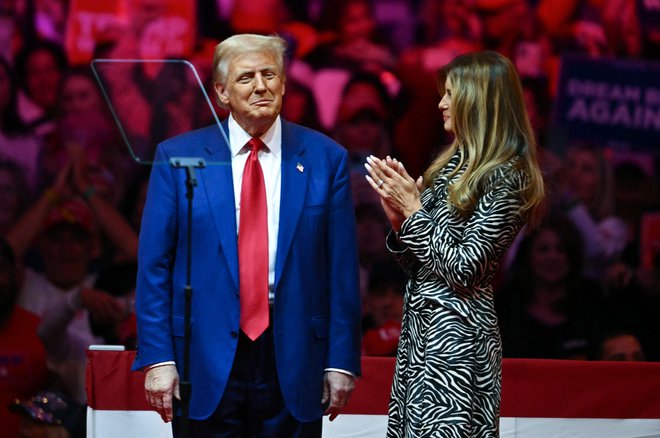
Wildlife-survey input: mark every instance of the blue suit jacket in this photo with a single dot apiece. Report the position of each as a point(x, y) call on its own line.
point(316, 313)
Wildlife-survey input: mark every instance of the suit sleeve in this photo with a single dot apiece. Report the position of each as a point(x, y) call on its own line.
point(345, 312)
point(156, 252)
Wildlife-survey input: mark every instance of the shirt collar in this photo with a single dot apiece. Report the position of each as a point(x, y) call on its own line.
point(238, 137)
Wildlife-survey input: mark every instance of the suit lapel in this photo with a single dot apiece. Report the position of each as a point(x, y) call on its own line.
point(219, 188)
point(295, 171)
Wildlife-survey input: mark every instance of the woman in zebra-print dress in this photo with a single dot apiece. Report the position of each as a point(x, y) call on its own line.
point(450, 230)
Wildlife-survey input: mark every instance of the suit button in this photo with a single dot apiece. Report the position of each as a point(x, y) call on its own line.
point(234, 335)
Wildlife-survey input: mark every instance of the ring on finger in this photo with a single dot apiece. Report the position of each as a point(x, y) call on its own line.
point(380, 183)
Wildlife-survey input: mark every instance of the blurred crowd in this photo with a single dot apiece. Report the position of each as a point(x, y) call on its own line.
point(584, 285)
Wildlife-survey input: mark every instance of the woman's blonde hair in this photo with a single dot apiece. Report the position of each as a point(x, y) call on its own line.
point(490, 127)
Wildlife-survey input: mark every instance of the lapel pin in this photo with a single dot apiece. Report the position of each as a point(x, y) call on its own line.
point(300, 168)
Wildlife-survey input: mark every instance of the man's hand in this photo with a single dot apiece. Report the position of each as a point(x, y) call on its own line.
point(337, 387)
point(160, 384)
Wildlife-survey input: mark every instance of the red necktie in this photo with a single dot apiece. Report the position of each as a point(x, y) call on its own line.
point(253, 246)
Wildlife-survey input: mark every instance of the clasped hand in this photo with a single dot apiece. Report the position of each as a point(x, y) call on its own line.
point(399, 192)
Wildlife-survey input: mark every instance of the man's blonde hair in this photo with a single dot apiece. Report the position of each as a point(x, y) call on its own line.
point(239, 44)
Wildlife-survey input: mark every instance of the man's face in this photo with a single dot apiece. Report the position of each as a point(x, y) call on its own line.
point(253, 91)
point(66, 251)
point(625, 348)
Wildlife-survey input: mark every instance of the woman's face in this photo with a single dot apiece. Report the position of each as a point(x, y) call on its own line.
point(446, 107)
point(80, 96)
point(42, 78)
point(583, 177)
point(357, 24)
point(548, 260)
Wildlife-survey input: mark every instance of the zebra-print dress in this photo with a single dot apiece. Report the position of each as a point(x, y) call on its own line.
point(448, 369)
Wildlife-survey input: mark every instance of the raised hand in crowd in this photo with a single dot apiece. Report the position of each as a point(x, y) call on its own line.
point(110, 220)
point(22, 234)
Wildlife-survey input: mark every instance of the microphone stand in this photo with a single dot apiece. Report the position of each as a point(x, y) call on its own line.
point(190, 164)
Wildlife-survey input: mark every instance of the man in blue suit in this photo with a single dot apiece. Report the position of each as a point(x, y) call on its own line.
point(299, 360)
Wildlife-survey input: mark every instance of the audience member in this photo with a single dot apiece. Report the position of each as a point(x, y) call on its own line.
point(40, 68)
point(448, 28)
point(397, 19)
point(452, 29)
point(621, 346)
point(363, 120)
point(532, 49)
point(50, 414)
point(119, 239)
point(299, 105)
point(503, 23)
point(634, 195)
point(63, 295)
point(257, 16)
point(383, 309)
point(371, 228)
point(17, 144)
point(599, 28)
point(634, 304)
point(73, 181)
point(589, 203)
point(547, 309)
point(574, 24)
point(22, 354)
point(14, 195)
point(354, 42)
point(16, 26)
point(84, 126)
point(118, 280)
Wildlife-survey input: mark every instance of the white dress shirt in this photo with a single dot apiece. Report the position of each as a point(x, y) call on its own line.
point(271, 164)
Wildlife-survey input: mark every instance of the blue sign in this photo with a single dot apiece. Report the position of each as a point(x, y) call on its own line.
point(609, 100)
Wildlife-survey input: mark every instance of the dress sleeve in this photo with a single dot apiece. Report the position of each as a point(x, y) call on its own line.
point(405, 258)
point(463, 261)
